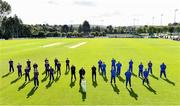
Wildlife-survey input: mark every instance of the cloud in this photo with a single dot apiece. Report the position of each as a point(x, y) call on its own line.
point(84, 3)
point(52, 2)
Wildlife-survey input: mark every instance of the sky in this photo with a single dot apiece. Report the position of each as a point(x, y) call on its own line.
point(97, 12)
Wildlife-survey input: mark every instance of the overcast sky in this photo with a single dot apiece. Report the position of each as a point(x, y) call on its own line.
point(101, 12)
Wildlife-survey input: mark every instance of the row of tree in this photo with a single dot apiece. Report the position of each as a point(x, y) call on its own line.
point(13, 27)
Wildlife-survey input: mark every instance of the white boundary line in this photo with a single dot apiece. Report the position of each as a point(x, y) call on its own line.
point(52, 44)
point(77, 45)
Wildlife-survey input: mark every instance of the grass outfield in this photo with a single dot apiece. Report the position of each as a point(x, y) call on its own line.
point(62, 93)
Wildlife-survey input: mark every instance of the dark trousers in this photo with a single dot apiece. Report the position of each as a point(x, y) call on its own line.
point(128, 81)
point(51, 77)
point(150, 69)
point(146, 80)
point(99, 68)
point(73, 74)
point(19, 73)
point(118, 72)
point(11, 68)
point(140, 73)
point(93, 76)
point(47, 72)
point(67, 67)
point(163, 72)
point(58, 72)
point(113, 78)
point(81, 77)
point(27, 76)
point(55, 66)
point(131, 69)
point(36, 82)
point(104, 72)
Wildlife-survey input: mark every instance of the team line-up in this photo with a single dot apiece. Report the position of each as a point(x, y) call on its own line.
point(115, 71)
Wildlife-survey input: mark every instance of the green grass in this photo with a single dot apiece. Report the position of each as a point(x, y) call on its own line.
point(60, 92)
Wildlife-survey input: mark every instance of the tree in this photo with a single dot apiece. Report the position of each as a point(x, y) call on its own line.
point(171, 29)
point(5, 9)
point(65, 29)
point(86, 27)
point(71, 29)
point(109, 29)
point(80, 28)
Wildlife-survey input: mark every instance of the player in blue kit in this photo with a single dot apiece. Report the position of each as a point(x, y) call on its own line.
point(145, 76)
point(128, 75)
point(99, 65)
point(113, 75)
point(118, 65)
point(104, 69)
point(113, 62)
point(140, 74)
point(163, 70)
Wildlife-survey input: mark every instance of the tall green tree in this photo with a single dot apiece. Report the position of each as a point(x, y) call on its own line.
point(86, 27)
point(5, 9)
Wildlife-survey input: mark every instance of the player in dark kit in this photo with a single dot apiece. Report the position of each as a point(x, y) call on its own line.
point(46, 60)
point(131, 65)
point(36, 80)
point(29, 64)
point(51, 71)
point(47, 68)
point(11, 67)
point(55, 63)
point(81, 74)
point(73, 72)
point(58, 65)
point(27, 70)
point(150, 67)
point(67, 65)
point(19, 67)
point(93, 73)
point(35, 66)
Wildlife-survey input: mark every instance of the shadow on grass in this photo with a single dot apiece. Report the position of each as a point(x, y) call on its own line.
point(153, 76)
point(169, 81)
point(66, 73)
point(49, 84)
point(115, 88)
point(134, 74)
point(23, 85)
point(44, 79)
point(105, 79)
point(150, 89)
point(121, 79)
point(82, 93)
point(6, 75)
point(72, 84)
point(132, 93)
point(94, 83)
point(43, 72)
point(57, 78)
point(31, 93)
point(14, 81)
